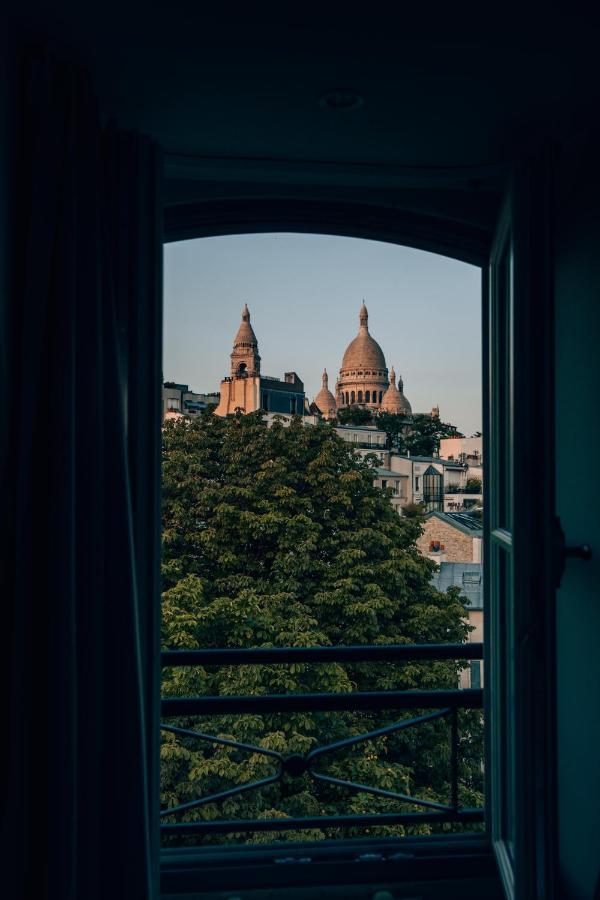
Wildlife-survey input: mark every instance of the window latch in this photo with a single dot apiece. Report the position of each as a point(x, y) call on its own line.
point(563, 553)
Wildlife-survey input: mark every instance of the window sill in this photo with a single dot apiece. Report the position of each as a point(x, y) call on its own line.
point(441, 867)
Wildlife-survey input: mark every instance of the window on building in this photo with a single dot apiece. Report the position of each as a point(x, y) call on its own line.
point(383, 484)
point(475, 666)
point(416, 482)
point(173, 403)
point(351, 396)
point(360, 396)
point(265, 401)
point(367, 396)
point(293, 406)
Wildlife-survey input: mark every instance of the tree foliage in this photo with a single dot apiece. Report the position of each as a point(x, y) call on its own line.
point(277, 537)
point(354, 415)
point(425, 434)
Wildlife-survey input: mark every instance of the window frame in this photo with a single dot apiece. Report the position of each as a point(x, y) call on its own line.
point(241, 217)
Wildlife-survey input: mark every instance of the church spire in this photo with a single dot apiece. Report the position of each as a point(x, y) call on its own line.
point(363, 316)
point(245, 359)
point(325, 380)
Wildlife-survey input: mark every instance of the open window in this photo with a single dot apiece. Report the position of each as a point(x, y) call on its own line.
point(359, 718)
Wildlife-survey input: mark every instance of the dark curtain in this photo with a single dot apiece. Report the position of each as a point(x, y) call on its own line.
point(81, 789)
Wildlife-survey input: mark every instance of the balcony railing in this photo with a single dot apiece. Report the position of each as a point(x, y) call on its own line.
point(442, 703)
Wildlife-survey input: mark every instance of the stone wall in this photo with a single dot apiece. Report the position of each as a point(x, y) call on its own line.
point(458, 547)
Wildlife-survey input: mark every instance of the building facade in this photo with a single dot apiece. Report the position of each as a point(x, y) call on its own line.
point(363, 377)
point(246, 390)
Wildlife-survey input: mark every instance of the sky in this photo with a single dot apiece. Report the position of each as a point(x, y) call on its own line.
point(304, 292)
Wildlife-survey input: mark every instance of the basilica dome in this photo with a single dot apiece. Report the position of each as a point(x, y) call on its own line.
point(363, 352)
point(325, 399)
point(363, 377)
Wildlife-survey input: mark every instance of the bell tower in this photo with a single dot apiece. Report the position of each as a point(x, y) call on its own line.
point(245, 360)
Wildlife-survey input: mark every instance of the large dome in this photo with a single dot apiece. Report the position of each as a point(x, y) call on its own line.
point(363, 378)
point(363, 352)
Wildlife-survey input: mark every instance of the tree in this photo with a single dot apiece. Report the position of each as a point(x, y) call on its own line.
point(354, 415)
point(473, 486)
point(395, 427)
point(277, 537)
point(425, 435)
point(412, 510)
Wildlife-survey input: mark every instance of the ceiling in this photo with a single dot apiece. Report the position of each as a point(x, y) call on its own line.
point(237, 97)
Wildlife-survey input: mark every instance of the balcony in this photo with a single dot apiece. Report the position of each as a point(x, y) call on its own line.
point(427, 706)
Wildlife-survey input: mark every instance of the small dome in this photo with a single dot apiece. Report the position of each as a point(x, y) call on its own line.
point(393, 400)
point(245, 334)
point(363, 352)
point(325, 399)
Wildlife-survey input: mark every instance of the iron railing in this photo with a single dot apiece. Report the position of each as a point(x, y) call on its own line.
point(443, 702)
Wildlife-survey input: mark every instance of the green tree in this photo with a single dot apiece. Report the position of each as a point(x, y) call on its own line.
point(412, 510)
point(395, 428)
point(473, 486)
point(277, 537)
point(354, 415)
point(425, 435)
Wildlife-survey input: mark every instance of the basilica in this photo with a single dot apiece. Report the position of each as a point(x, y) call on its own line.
point(363, 380)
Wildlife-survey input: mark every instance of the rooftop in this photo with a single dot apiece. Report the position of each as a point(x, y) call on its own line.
point(466, 576)
point(465, 523)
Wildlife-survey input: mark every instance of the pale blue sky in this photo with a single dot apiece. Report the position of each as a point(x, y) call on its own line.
point(304, 292)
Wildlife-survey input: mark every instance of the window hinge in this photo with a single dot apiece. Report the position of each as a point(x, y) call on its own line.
point(562, 552)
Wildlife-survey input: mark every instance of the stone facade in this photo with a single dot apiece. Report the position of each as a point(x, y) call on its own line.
point(246, 390)
point(446, 542)
point(363, 378)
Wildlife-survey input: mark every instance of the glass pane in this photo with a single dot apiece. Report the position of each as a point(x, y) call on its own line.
point(284, 533)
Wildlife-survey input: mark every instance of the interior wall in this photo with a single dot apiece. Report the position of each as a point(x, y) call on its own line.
point(8, 134)
point(577, 287)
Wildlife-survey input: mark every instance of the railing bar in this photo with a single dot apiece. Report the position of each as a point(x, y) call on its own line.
point(469, 698)
point(454, 739)
point(380, 792)
point(353, 653)
point(388, 729)
point(199, 735)
point(219, 826)
point(222, 795)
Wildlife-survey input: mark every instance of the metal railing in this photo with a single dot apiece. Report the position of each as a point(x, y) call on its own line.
point(444, 703)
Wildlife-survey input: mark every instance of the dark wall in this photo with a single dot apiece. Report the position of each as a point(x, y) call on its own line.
point(279, 401)
point(8, 138)
point(577, 290)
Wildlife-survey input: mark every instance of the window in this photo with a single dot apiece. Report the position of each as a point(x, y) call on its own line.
point(416, 482)
point(475, 666)
point(173, 403)
point(246, 663)
point(265, 401)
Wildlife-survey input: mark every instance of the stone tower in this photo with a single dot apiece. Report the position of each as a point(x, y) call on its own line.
point(244, 358)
